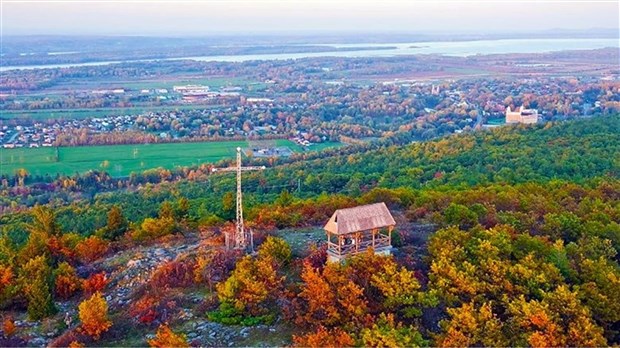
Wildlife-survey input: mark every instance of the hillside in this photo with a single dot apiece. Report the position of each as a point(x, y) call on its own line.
point(514, 231)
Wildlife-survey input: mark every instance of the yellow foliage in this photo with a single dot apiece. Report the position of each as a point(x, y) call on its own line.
point(94, 316)
point(166, 338)
point(324, 338)
point(76, 344)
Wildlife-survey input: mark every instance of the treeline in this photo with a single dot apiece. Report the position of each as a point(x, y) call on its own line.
point(536, 259)
point(507, 155)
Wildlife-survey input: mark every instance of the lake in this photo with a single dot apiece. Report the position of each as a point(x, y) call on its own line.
point(449, 48)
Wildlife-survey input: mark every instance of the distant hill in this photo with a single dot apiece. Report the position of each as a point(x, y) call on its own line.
point(573, 151)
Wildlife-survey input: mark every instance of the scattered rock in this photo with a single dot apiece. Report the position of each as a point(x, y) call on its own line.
point(134, 263)
point(38, 341)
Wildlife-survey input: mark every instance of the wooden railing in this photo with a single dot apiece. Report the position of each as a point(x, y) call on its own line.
point(380, 243)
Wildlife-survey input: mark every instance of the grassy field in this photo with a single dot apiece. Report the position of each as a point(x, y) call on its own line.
point(496, 121)
point(165, 82)
point(121, 160)
point(323, 146)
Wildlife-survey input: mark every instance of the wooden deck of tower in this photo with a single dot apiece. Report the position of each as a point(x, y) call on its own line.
point(355, 230)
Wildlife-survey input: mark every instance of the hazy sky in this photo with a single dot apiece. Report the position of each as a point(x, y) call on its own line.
point(221, 16)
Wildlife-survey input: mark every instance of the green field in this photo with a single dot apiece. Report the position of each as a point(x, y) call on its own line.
point(122, 159)
point(496, 121)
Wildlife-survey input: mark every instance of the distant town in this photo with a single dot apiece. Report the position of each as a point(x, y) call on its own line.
point(313, 102)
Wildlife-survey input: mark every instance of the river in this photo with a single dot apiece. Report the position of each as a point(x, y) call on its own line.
point(448, 48)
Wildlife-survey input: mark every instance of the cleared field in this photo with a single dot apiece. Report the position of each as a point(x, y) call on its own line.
point(120, 160)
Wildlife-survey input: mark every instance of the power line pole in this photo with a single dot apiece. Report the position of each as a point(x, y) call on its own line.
point(243, 239)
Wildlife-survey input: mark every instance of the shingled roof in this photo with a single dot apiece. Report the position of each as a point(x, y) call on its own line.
point(362, 218)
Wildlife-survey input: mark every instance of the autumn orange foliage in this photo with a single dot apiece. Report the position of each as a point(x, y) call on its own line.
point(76, 344)
point(59, 248)
point(95, 282)
point(329, 298)
point(67, 281)
point(91, 248)
point(8, 327)
point(165, 338)
point(324, 338)
point(65, 286)
point(145, 309)
point(93, 315)
point(174, 274)
point(6, 277)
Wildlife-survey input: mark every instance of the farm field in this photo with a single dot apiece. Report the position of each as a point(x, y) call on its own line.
point(168, 82)
point(122, 160)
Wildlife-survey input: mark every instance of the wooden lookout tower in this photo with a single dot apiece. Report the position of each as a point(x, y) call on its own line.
point(355, 230)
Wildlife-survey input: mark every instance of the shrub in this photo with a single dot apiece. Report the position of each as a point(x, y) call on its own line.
point(8, 286)
point(35, 280)
point(91, 249)
point(96, 282)
point(153, 228)
point(67, 281)
point(145, 309)
point(8, 327)
point(174, 274)
point(213, 267)
point(165, 338)
point(94, 316)
point(277, 249)
point(324, 338)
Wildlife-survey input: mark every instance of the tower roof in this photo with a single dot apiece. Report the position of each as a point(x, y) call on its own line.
point(362, 218)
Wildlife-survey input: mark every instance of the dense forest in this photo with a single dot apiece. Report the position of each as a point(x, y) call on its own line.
point(523, 248)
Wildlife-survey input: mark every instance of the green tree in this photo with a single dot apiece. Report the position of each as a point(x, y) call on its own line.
point(36, 283)
point(117, 224)
point(400, 289)
point(385, 332)
point(460, 215)
point(284, 199)
point(249, 293)
point(276, 249)
point(182, 208)
point(166, 211)
point(228, 206)
point(44, 221)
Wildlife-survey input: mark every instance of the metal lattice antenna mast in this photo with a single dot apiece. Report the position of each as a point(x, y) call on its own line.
point(242, 237)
